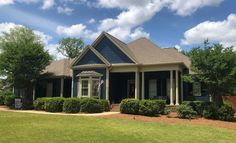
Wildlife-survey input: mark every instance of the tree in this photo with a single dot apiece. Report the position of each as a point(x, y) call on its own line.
point(70, 47)
point(214, 66)
point(22, 57)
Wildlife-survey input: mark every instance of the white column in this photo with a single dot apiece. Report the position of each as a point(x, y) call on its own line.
point(182, 90)
point(171, 88)
point(62, 87)
point(72, 86)
point(137, 85)
point(107, 84)
point(143, 90)
point(34, 93)
point(177, 87)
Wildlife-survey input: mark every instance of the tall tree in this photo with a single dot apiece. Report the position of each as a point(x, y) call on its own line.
point(22, 57)
point(70, 47)
point(214, 66)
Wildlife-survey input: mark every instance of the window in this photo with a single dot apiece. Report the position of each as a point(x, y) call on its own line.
point(196, 89)
point(89, 87)
point(84, 87)
point(152, 89)
point(95, 87)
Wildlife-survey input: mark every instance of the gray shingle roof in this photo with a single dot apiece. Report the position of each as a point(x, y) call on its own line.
point(58, 68)
point(148, 53)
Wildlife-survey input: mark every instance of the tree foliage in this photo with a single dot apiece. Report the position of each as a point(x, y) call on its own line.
point(22, 56)
point(214, 66)
point(70, 47)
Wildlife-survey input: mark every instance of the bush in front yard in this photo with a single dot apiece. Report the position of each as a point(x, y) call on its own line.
point(186, 112)
point(211, 112)
point(198, 106)
point(91, 105)
point(1, 98)
point(226, 113)
point(161, 106)
point(105, 104)
point(54, 104)
point(71, 105)
point(148, 108)
point(9, 99)
point(129, 106)
point(39, 103)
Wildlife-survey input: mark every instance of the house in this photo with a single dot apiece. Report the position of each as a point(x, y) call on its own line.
point(111, 69)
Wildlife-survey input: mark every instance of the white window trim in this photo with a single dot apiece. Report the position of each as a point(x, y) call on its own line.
point(90, 79)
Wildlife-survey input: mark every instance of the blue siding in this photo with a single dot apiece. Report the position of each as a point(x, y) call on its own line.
point(103, 86)
point(112, 53)
point(90, 58)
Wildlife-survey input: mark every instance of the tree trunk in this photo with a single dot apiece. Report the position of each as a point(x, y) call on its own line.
point(218, 100)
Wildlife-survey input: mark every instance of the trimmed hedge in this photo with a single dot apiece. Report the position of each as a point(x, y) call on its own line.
point(142, 107)
point(39, 103)
point(54, 104)
point(106, 105)
point(129, 106)
point(91, 105)
point(71, 105)
point(211, 112)
point(186, 112)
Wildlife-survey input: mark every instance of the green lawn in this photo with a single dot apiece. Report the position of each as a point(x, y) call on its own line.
point(35, 128)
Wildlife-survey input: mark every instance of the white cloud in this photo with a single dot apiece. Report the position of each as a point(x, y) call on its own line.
point(65, 10)
point(47, 4)
point(178, 48)
point(92, 20)
point(45, 38)
point(215, 31)
point(188, 7)
point(77, 30)
point(5, 27)
point(6, 2)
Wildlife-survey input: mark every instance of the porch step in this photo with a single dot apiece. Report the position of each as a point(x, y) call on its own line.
point(115, 108)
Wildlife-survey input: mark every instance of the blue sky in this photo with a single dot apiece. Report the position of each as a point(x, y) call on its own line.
point(168, 23)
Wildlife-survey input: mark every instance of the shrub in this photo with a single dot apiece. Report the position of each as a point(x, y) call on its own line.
point(148, 108)
point(71, 105)
point(54, 104)
point(186, 112)
point(161, 106)
point(39, 103)
point(106, 105)
point(129, 106)
point(1, 99)
point(91, 105)
point(226, 113)
point(198, 106)
point(211, 112)
point(9, 99)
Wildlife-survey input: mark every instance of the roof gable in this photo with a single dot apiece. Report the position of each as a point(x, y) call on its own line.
point(114, 50)
point(90, 56)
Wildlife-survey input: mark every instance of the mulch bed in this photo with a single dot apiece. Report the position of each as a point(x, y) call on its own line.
point(172, 118)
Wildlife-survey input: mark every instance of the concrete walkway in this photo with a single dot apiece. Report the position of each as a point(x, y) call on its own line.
point(4, 108)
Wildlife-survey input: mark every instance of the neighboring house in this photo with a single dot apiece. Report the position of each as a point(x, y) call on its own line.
point(111, 69)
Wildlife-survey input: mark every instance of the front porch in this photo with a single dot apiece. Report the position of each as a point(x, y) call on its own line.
point(165, 85)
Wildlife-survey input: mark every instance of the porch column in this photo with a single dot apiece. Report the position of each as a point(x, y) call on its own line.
point(137, 85)
point(177, 87)
point(143, 90)
point(62, 87)
point(171, 88)
point(181, 86)
point(34, 93)
point(107, 84)
point(72, 86)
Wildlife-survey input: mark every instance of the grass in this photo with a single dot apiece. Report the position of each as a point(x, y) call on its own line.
point(35, 128)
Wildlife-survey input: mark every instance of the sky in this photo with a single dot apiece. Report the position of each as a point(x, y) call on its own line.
point(168, 23)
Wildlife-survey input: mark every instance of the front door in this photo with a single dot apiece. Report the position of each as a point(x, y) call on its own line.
point(131, 89)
